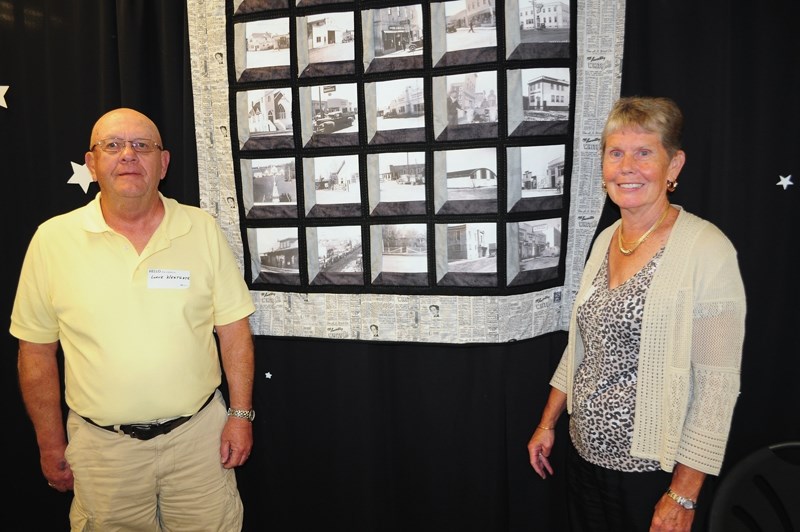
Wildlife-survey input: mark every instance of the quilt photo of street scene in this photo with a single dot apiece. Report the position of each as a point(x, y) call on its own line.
point(396, 183)
point(392, 38)
point(533, 250)
point(399, 254)
point(325, 44)
point(329, 115)
point(331, 186)
point(262, 50)
point(334, 255)
point(535, 177)
point(398, 114)
point(466, 30)
point(269, 187)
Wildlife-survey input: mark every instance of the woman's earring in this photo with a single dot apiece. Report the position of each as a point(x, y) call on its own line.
point(671, 185)
point(604, 185)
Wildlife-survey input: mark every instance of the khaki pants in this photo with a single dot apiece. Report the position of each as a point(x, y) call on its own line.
point(173, 482)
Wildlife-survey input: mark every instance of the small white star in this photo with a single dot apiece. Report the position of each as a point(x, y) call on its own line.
point(3, 89)
point(80, 176)
point(268, 375)
point(785, 181)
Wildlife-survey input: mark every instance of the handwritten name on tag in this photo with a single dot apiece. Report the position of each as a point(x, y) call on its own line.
point(158, 278)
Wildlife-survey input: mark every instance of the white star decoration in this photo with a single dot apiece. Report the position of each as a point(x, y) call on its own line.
point(80, 176)
point(3, 89)
point(268, 375)
point(785, 181)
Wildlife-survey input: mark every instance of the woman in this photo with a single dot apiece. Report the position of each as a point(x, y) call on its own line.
point(650, 374)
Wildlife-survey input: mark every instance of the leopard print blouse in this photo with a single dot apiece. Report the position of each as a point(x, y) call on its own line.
point(610, 321)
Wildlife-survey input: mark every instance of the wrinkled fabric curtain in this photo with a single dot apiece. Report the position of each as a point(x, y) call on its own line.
point(67, 62)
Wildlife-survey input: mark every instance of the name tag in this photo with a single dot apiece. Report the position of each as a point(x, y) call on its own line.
point(158, 278)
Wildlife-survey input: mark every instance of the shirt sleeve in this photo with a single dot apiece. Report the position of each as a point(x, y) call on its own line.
point(232, 299)
point(33, 317)
point(716, 350)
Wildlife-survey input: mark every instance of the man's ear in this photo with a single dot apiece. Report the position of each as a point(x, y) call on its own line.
point(164, 163)
point(89, 160)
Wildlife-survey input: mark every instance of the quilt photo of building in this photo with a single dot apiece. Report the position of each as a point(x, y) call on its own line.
point(270, 112)
point(397, 29)
point(539, 244)
point(547, 94)
point(284, 256)
point(543, 15)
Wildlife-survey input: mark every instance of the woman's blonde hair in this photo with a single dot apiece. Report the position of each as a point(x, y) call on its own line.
point(657, 115)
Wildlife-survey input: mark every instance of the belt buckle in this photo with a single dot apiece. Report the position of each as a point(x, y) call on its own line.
point(142, 431)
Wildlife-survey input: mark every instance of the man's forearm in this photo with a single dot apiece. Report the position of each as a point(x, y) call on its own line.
point(40, 385)
point(236, 346)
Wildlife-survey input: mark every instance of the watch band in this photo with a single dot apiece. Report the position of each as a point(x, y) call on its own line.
point(249, 415)
point(689, 504)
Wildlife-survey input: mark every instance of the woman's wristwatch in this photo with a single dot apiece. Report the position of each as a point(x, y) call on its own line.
point(689, 504)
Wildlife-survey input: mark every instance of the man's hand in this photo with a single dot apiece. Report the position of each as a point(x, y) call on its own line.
point(56, 470)
point(237, 442)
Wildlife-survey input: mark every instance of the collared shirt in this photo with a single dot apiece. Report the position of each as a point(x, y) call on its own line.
point(136, 329)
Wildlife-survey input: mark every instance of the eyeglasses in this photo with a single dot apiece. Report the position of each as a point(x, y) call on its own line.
point(138, 145)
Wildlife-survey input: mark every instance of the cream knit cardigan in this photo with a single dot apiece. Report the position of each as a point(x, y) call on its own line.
point(691, 346)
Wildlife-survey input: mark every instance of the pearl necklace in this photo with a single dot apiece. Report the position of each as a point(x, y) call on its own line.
point(625, 251)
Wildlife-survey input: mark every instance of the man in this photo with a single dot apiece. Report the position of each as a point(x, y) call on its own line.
point(132, 287)
point(453, 106)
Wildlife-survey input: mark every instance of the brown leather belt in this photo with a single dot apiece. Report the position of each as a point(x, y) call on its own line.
point(146, 431)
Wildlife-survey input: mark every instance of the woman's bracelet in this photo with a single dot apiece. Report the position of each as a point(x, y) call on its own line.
point(545, 428)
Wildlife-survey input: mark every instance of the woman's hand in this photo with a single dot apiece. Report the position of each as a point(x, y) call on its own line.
point(539, 447)
point(669, 516)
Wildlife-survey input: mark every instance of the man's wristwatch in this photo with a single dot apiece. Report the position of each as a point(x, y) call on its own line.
point(689, 504)
point(249, 415)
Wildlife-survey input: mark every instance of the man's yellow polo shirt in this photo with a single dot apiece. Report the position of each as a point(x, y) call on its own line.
point(136, 330)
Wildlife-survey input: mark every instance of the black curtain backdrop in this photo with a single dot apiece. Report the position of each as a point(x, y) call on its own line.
point(396, 437)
